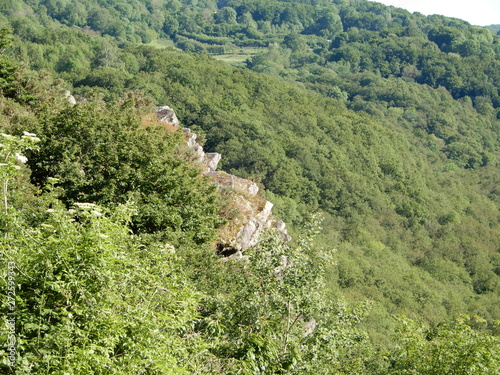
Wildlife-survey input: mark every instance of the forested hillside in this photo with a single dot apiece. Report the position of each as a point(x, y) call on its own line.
point(384, 122)
point(494, 28)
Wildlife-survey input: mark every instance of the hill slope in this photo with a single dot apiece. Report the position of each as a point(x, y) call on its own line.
point(388, 124)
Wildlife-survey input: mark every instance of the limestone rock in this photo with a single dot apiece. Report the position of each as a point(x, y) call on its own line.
point(167, 114)
point(254, 214)
point(226, 180)
point(281, 227)
point(246, 230)
point(212, 160)
point(193, 145)
point(246, 234)
point(263, 215)
point(71, 99)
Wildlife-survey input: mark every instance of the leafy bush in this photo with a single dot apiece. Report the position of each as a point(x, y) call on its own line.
point(100, 154)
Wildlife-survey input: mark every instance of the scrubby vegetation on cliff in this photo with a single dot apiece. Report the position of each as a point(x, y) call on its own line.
point(385, 122)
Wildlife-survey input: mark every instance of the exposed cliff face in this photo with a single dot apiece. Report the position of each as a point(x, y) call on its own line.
point(252, 214)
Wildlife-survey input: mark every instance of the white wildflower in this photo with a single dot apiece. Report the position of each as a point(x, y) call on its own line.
point(84, 206)
point(23, 159)
point(169, 248)
point(32, 136)
point(8, 136)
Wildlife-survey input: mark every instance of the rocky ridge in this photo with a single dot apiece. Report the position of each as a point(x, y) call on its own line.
point(252, 215)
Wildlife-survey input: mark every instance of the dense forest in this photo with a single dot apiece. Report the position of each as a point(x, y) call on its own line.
point(374, 131)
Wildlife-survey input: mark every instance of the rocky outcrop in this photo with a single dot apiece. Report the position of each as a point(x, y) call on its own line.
point(70, 98)
point(167, 115)
point(211, 160)
point(226, 180)
point(208, 160)
point(252, 214)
